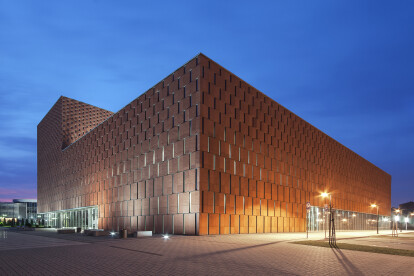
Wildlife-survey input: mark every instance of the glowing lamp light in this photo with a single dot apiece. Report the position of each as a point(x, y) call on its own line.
point(324, 194)
point(113, 234)
point(397, 218)
point(165, 237)
point(354, 215)
point(373, 205)
point(406, 219)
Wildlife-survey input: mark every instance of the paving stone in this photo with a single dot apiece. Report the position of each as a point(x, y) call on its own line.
point(257, 254)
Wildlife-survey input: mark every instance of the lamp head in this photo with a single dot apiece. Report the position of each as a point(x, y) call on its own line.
point(324, 194)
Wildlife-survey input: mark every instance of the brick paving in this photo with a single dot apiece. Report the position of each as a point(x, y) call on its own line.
point(257, 254)
point(13, 241)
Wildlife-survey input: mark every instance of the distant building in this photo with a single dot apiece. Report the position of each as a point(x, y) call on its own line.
point(19, 209)
point(407, 208)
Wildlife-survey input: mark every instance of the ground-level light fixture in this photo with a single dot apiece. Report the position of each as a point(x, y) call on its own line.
point(165, 237)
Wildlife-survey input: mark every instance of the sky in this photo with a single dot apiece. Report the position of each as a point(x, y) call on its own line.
point(346, 67)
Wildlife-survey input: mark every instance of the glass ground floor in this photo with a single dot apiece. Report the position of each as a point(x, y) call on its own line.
point(86, 218)
point(318, 220)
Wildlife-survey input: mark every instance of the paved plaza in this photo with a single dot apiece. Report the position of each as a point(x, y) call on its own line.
point(49, 253)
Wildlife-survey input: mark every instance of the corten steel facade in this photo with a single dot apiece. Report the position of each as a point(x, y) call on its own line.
point(202, 152)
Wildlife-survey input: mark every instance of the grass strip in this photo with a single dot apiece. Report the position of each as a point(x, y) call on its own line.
point(363, 248)
point(401, 236)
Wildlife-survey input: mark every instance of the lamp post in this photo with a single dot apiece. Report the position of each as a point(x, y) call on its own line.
point(373, 206)
point(332, 235)
point(406, 222)
point(398, 218)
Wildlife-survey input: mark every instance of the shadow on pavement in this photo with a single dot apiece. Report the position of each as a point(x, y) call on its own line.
point(233, 250)
point(349, 267)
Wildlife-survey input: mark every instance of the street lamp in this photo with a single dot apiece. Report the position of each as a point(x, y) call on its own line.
point(332, 234)
point(373, 206)
point(324, 195)
point(397, 218)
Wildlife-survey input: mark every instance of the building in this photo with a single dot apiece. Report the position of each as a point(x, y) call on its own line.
point(407, 208)
point(19, 209)
point(202, 152)
point(406, 214)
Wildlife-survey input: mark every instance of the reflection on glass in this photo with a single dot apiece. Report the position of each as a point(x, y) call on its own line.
point(345, 220)
point(85, 218)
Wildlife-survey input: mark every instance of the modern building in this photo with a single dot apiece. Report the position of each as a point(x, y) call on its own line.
point(202, 152)
point(406, 215)
point(19, 209)
point(407, 208)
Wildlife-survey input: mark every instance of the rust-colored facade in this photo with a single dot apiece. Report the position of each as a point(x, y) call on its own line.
point(202, 152)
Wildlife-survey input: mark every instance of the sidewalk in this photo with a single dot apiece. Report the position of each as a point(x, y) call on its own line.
point(254, 254)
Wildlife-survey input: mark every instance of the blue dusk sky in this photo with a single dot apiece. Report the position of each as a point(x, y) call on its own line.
point(346, 67)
